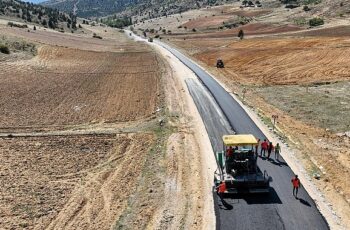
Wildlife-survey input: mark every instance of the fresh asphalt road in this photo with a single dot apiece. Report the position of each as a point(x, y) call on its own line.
point(276, 210)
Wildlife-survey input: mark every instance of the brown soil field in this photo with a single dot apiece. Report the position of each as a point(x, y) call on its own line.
point(43, 176)
point(82, 42)
point(270, 61)
point(80, 142)
point(337, 31)
point(62, 86)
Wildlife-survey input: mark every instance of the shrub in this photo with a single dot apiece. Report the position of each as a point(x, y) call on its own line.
point(12, 24)
point(96, 36)
point(306, 8)
point(194, 30)
point(316, 21)
point(4, 49)
point(241, 34)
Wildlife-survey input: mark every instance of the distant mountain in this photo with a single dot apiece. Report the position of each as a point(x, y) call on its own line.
point(152, 8)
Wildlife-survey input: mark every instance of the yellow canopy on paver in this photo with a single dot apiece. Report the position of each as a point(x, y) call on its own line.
point(239, 140)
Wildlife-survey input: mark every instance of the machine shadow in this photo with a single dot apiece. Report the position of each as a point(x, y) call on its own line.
point(278, 162)
point(268, 198)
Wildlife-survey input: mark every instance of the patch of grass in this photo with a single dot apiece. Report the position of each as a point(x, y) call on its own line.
point(300, 21)
point(16, 45)
point(153, 170)
point(322, 105)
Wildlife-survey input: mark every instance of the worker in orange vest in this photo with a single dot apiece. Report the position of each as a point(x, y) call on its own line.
point(296, 185)
point(221, 189)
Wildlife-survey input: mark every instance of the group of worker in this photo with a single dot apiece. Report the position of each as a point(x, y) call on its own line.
point(268, 147)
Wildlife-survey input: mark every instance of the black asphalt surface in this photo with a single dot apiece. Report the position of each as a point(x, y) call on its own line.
point(276, 210)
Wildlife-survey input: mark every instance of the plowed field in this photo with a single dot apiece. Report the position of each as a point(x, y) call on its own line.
point(69, 86)
point(282, 61)
point(61, 182)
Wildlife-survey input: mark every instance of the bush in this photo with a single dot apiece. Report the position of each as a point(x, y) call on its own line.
point(96, 36)
point(240, 34)
point(194, 30)
point(4, 49)
point(12, 24)
point(306, 8)
point(316, 22)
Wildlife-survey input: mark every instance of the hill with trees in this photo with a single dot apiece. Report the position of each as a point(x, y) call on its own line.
point(149, 8)
point(37, 14)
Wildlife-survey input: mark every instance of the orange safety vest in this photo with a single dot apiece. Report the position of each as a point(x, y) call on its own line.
point(296, 182)
point(222, 187)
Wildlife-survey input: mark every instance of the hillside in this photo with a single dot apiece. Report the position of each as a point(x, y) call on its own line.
point(148, 8)
point(35, 14)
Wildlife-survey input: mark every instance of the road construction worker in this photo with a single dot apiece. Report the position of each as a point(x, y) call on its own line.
point(264, 146)
point(269, 150)
point(296, 185)
point(221, 189)
point(229, 152)
point(277, 151)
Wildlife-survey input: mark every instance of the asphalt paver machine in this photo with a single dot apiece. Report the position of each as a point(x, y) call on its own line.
point(237, 166)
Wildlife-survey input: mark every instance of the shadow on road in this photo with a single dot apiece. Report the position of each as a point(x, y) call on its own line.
point(304, 202)
point(258, 198)
point(278, 163)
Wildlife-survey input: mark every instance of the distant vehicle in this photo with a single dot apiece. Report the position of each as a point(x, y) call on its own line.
point(219, 64)
point(237, 166)
point(150, 39)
